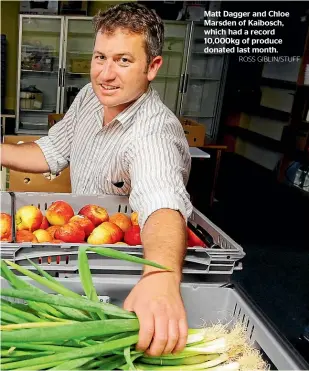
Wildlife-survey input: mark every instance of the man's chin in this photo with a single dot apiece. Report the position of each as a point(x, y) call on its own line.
point(114, 101)
point(109, 103)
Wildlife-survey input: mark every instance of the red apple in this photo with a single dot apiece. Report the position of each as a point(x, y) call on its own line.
point(44, 224)
point(115, 231)
point(133, 236)
point(134, 218)
point(95, 213)
point(42, 235)
point(84, 222)
point(122, 220)
point(9, 238)
point(52, 230)
point(105, 233)
point(25, 236)
point(5, 227)
point(193, 239)
point(28, 218)
point(70, 232)
point(59, 213)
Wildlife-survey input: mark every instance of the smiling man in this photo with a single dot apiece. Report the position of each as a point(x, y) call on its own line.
point(119, 138)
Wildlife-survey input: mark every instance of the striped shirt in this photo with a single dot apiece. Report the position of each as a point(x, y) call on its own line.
point(142, 153)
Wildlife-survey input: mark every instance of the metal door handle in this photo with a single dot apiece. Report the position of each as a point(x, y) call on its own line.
point(63, 77)
point(181, 83)
point(185, 85)
point(59, 77)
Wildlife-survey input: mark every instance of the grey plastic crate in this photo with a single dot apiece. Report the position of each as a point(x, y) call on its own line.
point(220, 260)
point(206, 305)
point(64, 262)
point(6, 205)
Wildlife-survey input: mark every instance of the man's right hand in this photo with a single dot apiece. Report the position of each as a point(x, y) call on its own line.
point(157, 302)
point(25, 157)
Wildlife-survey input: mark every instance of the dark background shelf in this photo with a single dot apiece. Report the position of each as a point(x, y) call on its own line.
point(280, 84)
point(255, 138)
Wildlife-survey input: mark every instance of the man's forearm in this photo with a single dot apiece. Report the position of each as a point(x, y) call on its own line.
point(26, 157)
point(164, 240)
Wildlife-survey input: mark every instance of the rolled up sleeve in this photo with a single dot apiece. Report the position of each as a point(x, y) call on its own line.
point(56, 146)
point(159, 173)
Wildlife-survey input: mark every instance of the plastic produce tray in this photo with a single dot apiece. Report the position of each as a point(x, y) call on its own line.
point(206, 305)
point(6, 203)
point(221, 258)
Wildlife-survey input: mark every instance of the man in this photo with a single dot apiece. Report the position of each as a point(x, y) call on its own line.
point(119, 138)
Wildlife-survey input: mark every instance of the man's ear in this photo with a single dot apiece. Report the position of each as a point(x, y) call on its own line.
point(153, 67)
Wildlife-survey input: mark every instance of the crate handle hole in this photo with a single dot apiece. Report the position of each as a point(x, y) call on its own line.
point(247, 324)
point(235, 309)
point(126, 209)
point(45, 206)
point(67, 259)
point(26, 180)
point(49, 259)
point(251, 332)
point(239, 313)
point(58, 259)
point(119, 208)
point(39, 206)
point(40, 260)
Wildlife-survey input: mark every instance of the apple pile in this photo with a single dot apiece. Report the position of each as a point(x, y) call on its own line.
point(92, 224)
point(5, 227)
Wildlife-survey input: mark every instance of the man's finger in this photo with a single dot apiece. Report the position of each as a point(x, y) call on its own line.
point(173, 335)
point(146, 332)
point(127, 305)
point(160, 335)
point(183, 335)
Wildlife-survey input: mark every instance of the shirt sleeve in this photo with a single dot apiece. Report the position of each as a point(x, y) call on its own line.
point(56, 146)
point(159, 172)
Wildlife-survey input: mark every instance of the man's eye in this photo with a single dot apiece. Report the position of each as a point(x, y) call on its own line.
point(124, 61)
point(100, 57)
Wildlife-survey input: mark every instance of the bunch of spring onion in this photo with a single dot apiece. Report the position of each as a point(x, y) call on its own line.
point(68, 331)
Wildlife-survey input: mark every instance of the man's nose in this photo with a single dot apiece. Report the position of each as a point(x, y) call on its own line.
point(108, 71)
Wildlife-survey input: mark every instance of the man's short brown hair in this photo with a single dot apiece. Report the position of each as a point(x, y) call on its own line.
point(135, 18)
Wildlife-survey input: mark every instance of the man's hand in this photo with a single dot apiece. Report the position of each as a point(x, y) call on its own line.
point(157, 302)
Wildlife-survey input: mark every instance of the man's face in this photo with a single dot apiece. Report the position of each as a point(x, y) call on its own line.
point(119, 72)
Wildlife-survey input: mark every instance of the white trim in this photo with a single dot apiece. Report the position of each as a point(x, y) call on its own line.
point(188, 58)
point(59, 95)
point(18, 74)
point(64, 59)
point(41, 16)
point(79, 18)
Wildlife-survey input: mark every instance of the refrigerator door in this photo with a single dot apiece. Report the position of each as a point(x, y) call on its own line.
point(78, 48)
point(170, 76)
point(39, 72)
point(203, 83)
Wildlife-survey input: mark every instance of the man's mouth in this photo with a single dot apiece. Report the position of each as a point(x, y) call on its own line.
point(109, 87)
